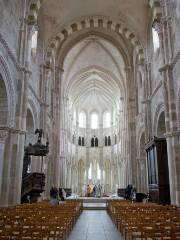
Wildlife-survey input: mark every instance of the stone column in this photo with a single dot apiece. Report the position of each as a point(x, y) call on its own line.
point(56, 126)
point(87, 162)
point(130, 126)
point(172, 132)
point(124, 140)
point(3, 137)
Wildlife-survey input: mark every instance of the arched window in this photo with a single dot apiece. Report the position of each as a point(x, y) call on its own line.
point(83, 141)
point(92, 142)
point(82, 119)
point(94, 121)
point(156, 41)
point(79, 141)
point(96, 142)
point(109, 141)
point(161, 127)
point(34, 43)
point(106, 141)
point(106, 119)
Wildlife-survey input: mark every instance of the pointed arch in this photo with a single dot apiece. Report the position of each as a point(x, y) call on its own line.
point(10, 91)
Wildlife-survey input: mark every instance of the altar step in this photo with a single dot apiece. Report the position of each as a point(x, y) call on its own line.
point(94, 200)
point(94, 206)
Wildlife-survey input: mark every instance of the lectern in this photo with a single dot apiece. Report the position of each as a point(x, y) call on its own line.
point(158, 172)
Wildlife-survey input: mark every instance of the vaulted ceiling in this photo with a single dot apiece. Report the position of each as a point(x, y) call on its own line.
point(56, 13)
point(94, 69)
point(94, 75)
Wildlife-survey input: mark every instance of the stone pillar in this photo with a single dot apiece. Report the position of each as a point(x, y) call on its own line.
point(17, 136)
point(141, 174)
point(17, 155)
point(172, 133)
point(3, 137)
point(56, 126)
point(163, 26)
point(147, 102)
point(130, 128)
point(87, 163)
point(124, 140)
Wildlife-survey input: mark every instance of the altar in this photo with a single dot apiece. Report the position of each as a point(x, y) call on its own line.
point(92, 203)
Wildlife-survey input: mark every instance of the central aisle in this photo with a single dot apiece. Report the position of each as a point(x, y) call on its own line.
point(96, 225)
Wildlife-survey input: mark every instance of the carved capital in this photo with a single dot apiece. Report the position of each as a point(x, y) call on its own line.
point(3, 135)
point(156, 10)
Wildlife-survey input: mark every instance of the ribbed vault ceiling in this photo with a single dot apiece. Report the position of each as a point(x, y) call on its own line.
point(94, 75)
point(94, 70)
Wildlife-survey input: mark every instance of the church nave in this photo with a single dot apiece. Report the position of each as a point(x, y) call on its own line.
point(89, 114)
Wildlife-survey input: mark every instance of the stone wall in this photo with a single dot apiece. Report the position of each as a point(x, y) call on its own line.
point(11, 13)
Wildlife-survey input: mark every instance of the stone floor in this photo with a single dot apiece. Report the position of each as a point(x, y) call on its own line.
point(94, 225)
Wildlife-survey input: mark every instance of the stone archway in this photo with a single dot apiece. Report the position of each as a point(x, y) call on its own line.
point(3, 131)
point(96, 22)
point(3, 103)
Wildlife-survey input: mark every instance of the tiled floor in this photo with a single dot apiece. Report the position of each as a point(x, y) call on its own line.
point(94, 225)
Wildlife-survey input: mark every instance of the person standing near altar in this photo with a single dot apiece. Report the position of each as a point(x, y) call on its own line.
point(95, 191)
point(99, 188)
point(88, 190)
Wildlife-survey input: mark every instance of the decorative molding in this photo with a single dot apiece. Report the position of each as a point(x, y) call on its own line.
point(156, 10)
point(94, 22)
point(33, 10)
point(11, 130)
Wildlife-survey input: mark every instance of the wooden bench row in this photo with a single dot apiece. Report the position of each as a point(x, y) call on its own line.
point(145, 220)
point(39, 221)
